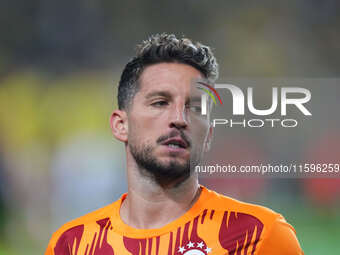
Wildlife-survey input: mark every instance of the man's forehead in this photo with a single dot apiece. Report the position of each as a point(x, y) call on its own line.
point(162, 75)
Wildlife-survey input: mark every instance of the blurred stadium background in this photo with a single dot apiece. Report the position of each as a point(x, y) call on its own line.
point(60, 63)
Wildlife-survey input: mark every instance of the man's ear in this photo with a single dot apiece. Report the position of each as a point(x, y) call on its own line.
point(208, 142)
point(119, 125)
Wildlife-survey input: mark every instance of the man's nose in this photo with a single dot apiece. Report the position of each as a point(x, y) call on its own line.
point(178, 117)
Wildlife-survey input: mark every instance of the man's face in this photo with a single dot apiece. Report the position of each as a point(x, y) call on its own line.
point(166, 131)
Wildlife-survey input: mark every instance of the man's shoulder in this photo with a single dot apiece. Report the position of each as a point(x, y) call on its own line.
point(94, 217)
point(274, 234)
point(225, 204)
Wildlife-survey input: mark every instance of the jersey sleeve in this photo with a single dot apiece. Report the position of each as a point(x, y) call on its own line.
point(281, 240)
point(49, 250)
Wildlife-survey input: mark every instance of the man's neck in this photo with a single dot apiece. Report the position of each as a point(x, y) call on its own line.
point(149, 205)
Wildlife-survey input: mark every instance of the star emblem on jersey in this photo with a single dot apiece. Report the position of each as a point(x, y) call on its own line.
point(190, 244)
point(194, 248)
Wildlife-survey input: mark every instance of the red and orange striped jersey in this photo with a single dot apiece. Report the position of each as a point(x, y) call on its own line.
point(215, 225)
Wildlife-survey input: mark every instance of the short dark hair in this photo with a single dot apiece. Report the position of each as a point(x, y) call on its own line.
point(161, 48)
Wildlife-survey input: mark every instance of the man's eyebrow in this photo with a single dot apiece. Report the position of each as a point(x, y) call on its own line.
point(158, 93)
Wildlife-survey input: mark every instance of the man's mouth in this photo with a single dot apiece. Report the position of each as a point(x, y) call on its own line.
point(176, 142)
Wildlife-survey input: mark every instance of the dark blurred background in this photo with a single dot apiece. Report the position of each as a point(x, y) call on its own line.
point(60, 62)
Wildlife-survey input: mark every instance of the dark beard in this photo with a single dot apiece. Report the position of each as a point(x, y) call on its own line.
point(163, 173)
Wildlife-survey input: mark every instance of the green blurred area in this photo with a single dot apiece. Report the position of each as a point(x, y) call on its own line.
point(38, 111)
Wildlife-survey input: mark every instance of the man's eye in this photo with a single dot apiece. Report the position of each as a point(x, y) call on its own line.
point(160, 103)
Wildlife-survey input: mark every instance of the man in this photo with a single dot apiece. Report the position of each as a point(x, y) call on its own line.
point(166, 211)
